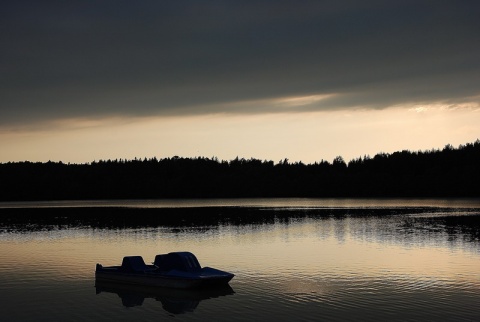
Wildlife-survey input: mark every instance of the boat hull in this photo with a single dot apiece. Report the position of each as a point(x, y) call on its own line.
point(159, 280)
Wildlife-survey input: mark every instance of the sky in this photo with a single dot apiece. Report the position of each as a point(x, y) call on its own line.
point(303, 80)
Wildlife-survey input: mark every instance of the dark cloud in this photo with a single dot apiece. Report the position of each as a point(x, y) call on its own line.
point(92, 58)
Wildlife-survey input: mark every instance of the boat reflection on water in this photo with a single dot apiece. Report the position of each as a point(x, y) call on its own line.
point(175, 301)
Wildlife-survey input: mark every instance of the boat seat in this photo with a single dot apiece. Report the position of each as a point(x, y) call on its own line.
point(182, 261)
point(134, 264)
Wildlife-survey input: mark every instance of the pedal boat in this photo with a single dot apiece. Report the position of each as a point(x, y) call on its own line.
point(180, 270)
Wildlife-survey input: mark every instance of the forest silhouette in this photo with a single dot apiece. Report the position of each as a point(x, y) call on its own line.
point(450, 172)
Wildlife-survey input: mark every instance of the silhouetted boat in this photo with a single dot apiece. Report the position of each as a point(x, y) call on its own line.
point(174, 270)
point(174, 301)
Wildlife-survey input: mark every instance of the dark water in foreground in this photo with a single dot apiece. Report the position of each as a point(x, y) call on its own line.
point(294, 260)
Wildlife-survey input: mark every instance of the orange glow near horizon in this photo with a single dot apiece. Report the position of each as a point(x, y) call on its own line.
point(306, 137)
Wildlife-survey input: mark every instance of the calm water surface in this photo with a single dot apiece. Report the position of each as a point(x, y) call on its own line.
point(369, 260)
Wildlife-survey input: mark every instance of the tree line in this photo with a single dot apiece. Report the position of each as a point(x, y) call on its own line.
point(450, 172)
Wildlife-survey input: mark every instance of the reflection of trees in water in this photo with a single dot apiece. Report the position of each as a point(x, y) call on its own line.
point(408, 224)
point(454, 227)
point(340, 227)
point(418, 230)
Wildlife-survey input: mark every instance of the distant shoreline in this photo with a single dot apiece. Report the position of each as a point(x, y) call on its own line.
point(121, 217)
point(292, 203)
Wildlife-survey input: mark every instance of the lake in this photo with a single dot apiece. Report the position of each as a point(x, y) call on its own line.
point(294, 259)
